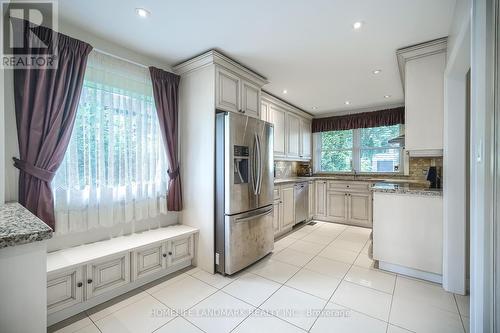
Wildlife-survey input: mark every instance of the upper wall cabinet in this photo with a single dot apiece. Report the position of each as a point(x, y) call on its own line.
point(422, 71)
point(292, 129)
point(237, 89)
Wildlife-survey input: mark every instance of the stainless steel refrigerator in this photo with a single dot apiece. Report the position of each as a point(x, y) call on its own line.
point(244, 184)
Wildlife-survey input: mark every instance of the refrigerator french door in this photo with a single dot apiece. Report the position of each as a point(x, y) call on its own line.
point(243, 191)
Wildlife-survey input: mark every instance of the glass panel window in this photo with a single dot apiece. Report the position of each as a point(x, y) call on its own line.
point(336, 152)
point(373, 157)
point(359, 150)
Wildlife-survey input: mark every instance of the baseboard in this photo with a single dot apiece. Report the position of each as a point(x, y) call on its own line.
point(76, 309)
point(432, 277)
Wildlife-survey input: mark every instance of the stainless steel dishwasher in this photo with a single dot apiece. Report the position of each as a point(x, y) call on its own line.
point(301, 196)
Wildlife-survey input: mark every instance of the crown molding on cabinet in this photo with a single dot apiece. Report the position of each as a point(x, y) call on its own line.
point(265, 96)
point(418, 51)
point(215, 57)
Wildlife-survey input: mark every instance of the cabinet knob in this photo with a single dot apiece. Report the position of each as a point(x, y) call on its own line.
point(169, 253)
point(89, 281)
point(79, 284)
point(164, 255)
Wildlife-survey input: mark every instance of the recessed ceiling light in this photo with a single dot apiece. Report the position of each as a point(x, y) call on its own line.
point(377, 71)
point(142, 12)
point(314, 107)
point(285, 91)
point(387, 96)
point(357, 25)
point(347, 102)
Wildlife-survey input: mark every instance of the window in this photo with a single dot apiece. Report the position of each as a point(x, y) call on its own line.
point(114, 170)
point(361, 150)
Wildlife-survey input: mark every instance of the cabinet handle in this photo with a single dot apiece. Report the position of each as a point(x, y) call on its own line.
point(79, 284)
point(169, 253)
point(164, 255)
point(89, 281)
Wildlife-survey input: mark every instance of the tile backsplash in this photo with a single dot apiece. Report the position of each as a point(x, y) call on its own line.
point(285, 169)
point(420, 165)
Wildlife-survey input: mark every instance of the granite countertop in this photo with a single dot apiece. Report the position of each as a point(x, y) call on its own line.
point(349, 178)
point(406, 188)
point(19, 226)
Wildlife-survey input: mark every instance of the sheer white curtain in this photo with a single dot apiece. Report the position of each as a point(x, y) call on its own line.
point(114, 170)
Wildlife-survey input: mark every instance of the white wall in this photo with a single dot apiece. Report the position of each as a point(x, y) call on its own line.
point(455, 151)
point(11, 146)
point(2, 137)
point(482, 165)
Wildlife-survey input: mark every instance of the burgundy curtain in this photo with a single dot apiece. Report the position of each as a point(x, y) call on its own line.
point(360, 120)
point(46, 101)
point(166, 92)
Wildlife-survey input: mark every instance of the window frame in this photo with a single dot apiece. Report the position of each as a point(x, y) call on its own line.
point(356, 155)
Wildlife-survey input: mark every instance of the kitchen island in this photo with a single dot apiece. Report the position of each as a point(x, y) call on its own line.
point(408, 229)
point(23, 258)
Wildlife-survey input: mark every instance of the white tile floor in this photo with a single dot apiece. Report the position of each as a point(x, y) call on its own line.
point(318, 279)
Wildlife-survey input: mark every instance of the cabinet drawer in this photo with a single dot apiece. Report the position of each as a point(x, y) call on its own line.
point(180, 250)
point(276, 193)
point(108, 274)
point(64, 289)
point(148, 260)
point(347, 186)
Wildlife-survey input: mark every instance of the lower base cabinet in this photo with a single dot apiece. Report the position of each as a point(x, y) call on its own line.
point(70, 287)
point(283, 209)
point(344, 202)
point(64, 289)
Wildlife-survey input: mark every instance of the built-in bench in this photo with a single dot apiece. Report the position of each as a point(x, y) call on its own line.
point(81, 277)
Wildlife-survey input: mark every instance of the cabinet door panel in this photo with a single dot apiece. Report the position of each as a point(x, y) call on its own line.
point(250, 99)
point(64, 289)
point(305, 143)
point(148, 260)
point(264, 112)
point(336, 206)
point(276, 216)
point(293, 143)
point(278, 119)
point(360, 209)
point(227, 91)
point(108, 274)
point(312, 192)
point(287, 197)
point(320, 199)
point(180, 250)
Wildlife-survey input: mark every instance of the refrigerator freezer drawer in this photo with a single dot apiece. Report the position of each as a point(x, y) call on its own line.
point(248, 238)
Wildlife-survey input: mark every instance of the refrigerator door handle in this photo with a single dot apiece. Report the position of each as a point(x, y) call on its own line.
point(255, 165)
point(253, 217)
point(259, 164)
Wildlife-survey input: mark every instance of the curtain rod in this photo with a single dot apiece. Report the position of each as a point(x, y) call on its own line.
point(118, 57)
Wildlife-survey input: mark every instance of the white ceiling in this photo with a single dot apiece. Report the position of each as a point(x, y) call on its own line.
point(307, 47)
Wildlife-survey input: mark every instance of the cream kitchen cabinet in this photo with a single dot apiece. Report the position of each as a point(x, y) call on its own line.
point(336, 206)
point(235, 94)
point(81, 277)
point(312, 193)
point(293, 136)
point(292, 129)
point(180, 250)
point(359, 207)
point(64, 289)
point(250, 99)
point(320, 199)
point(288, 201)
point(264, 112)
point(148, 260)
point(107, 274)
point(345, 202)
point(283, 209)
point(278, 118)
point(422, 68)
point(305, 139)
